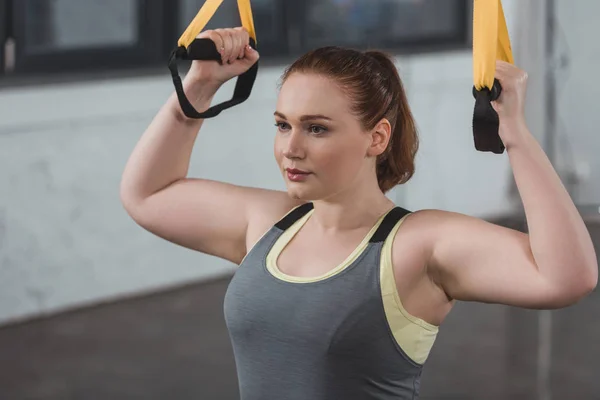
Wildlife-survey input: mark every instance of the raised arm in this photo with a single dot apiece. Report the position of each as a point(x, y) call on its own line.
point(208, 216)
point(554, 265)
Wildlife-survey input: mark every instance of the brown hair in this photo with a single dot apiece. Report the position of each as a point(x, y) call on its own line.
point(371, 80)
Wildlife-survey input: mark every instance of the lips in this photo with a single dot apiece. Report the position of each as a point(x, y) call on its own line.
point(297, 175)
point(295, 171)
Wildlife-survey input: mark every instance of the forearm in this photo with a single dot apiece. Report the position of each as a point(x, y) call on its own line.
point(163, 153)
point(560, 242)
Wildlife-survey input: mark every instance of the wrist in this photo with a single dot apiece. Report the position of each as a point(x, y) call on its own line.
point(199, 93)
point(200, 90)
point(515, 134)
point(512, 130)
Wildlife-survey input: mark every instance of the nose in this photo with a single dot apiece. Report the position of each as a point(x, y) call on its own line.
point(294, 146)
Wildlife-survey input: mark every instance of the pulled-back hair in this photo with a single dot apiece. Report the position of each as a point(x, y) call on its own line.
point(376, 91)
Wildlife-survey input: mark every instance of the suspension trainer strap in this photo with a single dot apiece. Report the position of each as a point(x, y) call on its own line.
point(490, 43)
point(190, 48)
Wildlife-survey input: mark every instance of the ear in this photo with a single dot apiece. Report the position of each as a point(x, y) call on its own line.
point(380, 137)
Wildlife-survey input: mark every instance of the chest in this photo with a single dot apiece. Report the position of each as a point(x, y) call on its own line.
point(309, 255)
point(330, 316)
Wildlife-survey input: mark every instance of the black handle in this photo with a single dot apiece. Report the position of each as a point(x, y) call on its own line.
point(494, 93)
point(485, 120)
point(205, 49)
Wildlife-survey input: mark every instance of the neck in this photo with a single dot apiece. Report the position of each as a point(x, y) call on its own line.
point(359, 206)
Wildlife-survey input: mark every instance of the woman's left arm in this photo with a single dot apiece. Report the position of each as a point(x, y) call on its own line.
point(553, 266)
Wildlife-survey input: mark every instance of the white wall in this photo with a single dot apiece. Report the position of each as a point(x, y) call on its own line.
point(578, 92)
point(64, 238)
point(575, 61)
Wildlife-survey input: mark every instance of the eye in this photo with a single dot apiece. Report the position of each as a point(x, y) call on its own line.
point(282, 126)
point(317, 129)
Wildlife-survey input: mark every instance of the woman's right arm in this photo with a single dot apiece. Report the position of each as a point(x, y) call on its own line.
point(204, 215)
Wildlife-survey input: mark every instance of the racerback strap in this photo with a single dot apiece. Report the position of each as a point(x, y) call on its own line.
point(388, 223)
point(294, 216)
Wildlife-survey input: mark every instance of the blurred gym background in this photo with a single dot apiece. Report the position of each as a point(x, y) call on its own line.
point(94, 307)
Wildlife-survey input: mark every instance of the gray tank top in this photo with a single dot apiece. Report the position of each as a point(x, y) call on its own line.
point(324, 340)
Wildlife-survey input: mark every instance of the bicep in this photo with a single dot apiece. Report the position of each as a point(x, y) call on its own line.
point(475, 260)
point(204, 215)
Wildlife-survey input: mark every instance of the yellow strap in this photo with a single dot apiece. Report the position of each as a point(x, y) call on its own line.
point(490, 41)
point(206, 13)
point(246, 17)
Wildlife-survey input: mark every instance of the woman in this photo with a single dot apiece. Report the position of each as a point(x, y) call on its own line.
point(339, 293)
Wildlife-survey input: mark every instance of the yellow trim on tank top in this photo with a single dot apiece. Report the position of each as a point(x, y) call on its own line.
point(287, 237)
point(265, 234)
point(414, 335)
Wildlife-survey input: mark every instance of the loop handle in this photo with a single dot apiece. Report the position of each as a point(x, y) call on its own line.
point(493, 93)
point(189, 48)
point(490, 43)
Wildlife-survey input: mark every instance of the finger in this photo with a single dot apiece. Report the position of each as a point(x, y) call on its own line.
point(236, 34)
point(509, 70)
point(218, 40)
point(227, 44)
point(501, 63)
point(230, 46)
point(232, 55)
point(501, 68)
point(502, 73)
point(245, 41)
point(251, 56)
point(242, 47)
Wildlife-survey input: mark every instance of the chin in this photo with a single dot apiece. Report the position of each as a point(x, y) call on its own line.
point(307, 194)
point(298, 195)
point(302, 193)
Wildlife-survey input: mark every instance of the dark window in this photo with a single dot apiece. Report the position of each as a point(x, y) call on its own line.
point(71, 35)
point(392, 24)
point(75, 35)
point(3, 33)
point(66, 25)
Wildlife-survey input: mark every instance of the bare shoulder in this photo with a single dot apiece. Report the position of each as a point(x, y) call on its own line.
point(266, 209)
point(430, 223)
point(449, 241)
point(413, 242)
point(452, 227)
point(420, 225)
point(423, 228)
point(420, 290)
point(431, 218)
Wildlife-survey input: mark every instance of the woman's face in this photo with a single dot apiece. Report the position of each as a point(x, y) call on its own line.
point(320, 146)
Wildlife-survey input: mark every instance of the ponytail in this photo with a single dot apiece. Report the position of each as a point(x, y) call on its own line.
point(397, 164)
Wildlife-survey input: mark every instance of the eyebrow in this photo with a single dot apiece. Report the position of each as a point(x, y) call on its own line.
point(311, 117)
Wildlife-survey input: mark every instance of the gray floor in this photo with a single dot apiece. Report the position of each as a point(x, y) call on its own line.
point(175, 345)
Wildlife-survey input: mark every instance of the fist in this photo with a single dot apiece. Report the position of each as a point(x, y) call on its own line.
point(236, 55)
point(511, 103)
